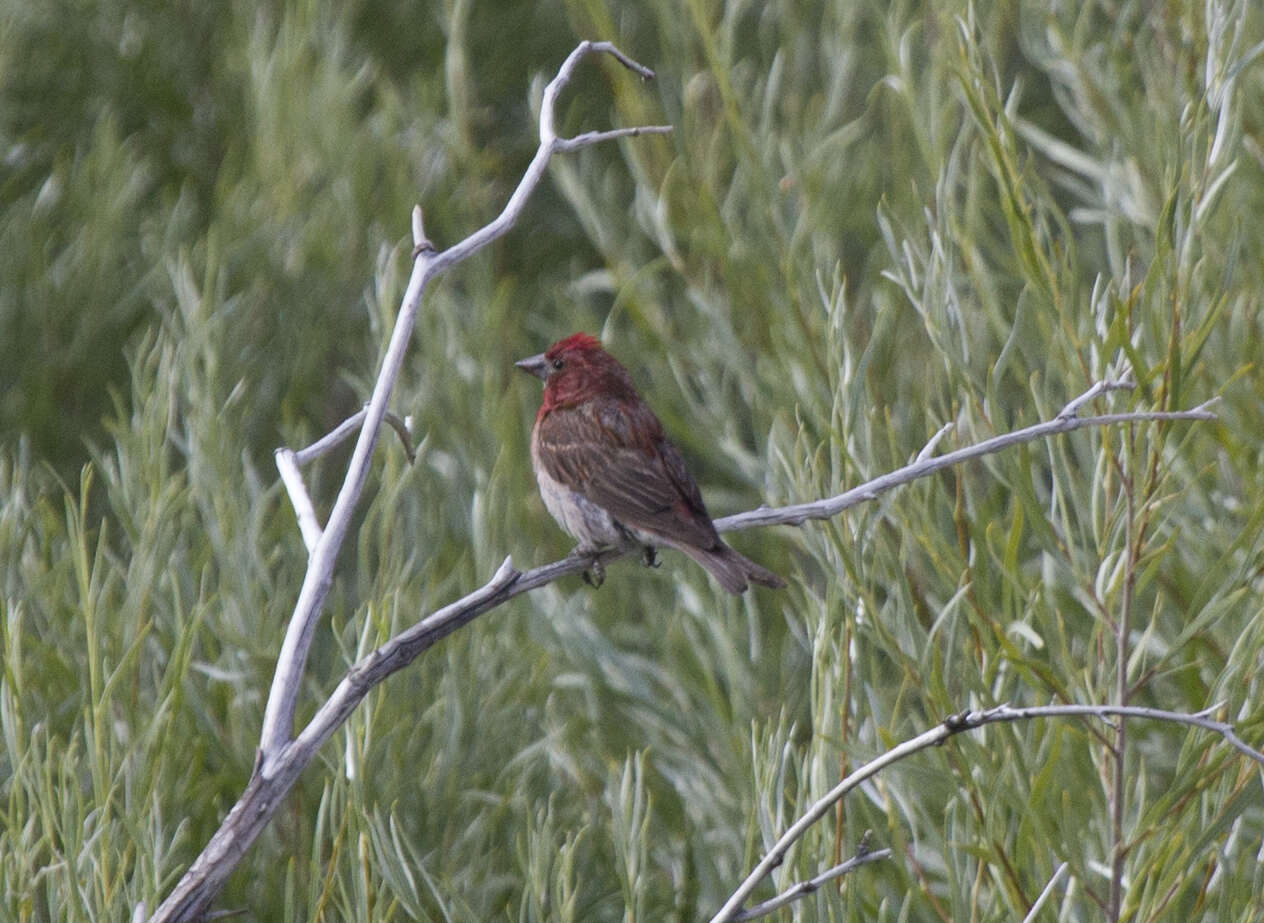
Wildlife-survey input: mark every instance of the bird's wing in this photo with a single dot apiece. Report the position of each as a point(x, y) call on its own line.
point(616, 455)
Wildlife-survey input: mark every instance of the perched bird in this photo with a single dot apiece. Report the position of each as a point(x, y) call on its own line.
point(609, 475)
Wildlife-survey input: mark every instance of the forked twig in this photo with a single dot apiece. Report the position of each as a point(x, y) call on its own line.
point(796, 892)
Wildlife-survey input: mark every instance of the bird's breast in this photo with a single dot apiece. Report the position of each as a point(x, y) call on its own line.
point(582, 519)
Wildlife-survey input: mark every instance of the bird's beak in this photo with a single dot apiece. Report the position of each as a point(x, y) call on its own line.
point(536, 365)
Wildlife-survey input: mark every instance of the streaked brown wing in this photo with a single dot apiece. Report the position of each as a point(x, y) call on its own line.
point(616, 456)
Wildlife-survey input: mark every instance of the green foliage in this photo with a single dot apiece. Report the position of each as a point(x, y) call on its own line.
point(871, 220)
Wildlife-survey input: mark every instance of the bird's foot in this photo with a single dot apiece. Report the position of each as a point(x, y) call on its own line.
point(595, 573)
point(595, 576)
point(649, 556)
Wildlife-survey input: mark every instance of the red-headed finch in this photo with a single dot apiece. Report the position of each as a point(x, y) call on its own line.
point(609, 475)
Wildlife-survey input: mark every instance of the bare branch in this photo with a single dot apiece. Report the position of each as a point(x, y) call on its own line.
point(777, 854)
point(956, 724)
point(928, 450)
point(1200, 719)
point(1062, 423)
point(804, 888)
point(548, 104)
point(396, 654)
point(348, 428)
point(1073, 407)
point(421, 243)
point(596, 137)
point(287, 463)
point(340, 434)
point(404, 430)
point(1044, 895)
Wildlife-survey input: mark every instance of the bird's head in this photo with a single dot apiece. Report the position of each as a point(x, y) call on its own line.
point(575, 370)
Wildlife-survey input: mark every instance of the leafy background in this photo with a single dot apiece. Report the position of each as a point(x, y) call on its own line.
point(872, 219)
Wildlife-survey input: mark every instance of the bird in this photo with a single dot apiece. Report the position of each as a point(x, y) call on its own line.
point(610, 476)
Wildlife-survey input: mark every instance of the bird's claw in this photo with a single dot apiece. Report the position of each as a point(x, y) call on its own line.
point(649, 556)
point(595, 575)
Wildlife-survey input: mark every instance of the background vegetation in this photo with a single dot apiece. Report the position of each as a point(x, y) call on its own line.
point(872, 219)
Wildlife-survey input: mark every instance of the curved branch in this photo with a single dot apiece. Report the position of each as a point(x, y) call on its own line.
point(956, 724)
point(1040, 901)
point(1064, 422)
point(289, 461)
point(347, 428)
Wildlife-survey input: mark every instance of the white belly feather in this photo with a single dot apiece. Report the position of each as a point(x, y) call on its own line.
point(582, 519)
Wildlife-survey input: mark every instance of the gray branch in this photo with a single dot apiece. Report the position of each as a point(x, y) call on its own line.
point(804, 888)
point(956, 724)
point(1057, 876)
point(1066, 421)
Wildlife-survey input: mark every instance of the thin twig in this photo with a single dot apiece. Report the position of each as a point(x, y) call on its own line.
point(340, 434)
point(1044, 895)
point(804, 888)
point(287, 463)
point(348, 428)
point(928, 450)
point(595, 137)
point(832, 506)
point(777, 854)
point(1073, 407)
point(404, 430)
point(956, 724)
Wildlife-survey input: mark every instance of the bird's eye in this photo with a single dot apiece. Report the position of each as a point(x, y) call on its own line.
point(558, 363)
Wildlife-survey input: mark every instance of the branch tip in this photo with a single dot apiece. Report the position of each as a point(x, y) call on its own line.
point(505, 575)
point(634, 66)
point(929, 449)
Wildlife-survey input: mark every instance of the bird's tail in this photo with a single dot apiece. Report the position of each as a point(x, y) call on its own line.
point(732, 569)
